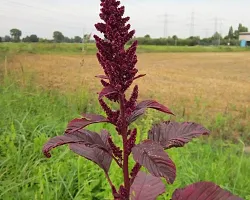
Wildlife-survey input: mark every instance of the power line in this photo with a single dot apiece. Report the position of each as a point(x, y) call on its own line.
point(165, 25)
point(39, 22)
point(18, 4)
point(215, 24)
point(206, 30)
point(192, 24)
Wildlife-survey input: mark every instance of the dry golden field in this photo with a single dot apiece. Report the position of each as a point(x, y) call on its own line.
point(217, 80)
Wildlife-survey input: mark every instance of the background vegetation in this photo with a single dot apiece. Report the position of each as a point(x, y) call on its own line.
point(31, 114)
point(231, 39)
point(90, 48)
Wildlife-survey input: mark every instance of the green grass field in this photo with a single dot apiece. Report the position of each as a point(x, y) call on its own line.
point(30, 115)
point(91, 49)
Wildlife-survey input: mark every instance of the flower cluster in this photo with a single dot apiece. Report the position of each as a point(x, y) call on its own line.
point(117, 62)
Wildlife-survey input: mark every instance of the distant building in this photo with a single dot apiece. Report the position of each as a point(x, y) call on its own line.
point(244, 38)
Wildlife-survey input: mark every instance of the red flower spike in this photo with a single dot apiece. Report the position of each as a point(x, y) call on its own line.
point(131, 141)
point(105, 107)
point(111, 51)
point(104, 83)
point(131, 104)
point(123, 192)
point(116, 150)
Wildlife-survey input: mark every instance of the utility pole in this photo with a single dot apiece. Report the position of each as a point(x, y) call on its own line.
point(206, 32)
point(216, 29)
point(192, 24)
point(215, 24)
point(221, 24)
point(218, 23)
point(83, 49)
point(165, 25)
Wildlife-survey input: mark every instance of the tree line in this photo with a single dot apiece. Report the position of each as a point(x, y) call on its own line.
point(232, 38)
point(58, 37)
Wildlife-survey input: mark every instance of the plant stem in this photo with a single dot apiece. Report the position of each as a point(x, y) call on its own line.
point(125, 165)
point(124, 129)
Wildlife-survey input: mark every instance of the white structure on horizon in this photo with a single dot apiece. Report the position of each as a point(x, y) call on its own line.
point(244, 38)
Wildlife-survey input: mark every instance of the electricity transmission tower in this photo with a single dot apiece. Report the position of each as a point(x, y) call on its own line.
point(83, 40)
point(192, 24)
point(165, 31)
point(218, 31)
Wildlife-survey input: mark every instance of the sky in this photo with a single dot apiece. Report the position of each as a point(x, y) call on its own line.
point(158, 18)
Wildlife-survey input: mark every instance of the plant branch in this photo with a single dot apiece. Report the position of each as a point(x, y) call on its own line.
point(114, 192)
point(134, 172)
point(117, 161)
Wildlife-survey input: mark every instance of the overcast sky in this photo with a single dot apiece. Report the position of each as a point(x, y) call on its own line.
point(73, 17)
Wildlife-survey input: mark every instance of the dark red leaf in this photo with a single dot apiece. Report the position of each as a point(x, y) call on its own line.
point(102, 76)
point(85, 143)
point(80, 123)
point(152, 156)
point(100, 156)
point(174, 134)
point(203, 190)
point(141, 108)
point(146, 187)
point(139, 76)
point(107, 91)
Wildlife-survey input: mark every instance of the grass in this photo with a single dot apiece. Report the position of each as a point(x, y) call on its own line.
point(210, 88)
point(67, 48)
point(30, 115)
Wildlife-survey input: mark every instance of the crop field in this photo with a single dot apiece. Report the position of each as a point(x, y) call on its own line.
point(211, 82)
point(41, 92)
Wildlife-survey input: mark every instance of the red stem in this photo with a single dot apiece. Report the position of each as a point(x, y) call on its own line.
point(124, 138)
point(125, 165)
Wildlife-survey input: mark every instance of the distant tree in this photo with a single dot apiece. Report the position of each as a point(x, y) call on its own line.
point(15, 34)
point(58, 36)
point(241, 29)
point(147, 36)
point(175, 37)
point(193, 41)
point(77, 39)
point(7, 38)
point(34, 38)
point(26, 39)
point(216, 38)
point(67, 40)
point(206, 41)
point(231, 33)
point(44, 40)
point(1, 40)
point(87, 37)
point(216, 35)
